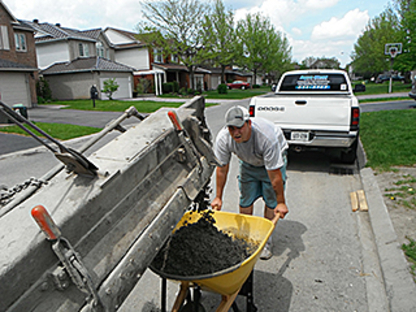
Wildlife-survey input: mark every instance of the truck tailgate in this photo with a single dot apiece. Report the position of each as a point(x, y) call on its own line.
point(314, 112)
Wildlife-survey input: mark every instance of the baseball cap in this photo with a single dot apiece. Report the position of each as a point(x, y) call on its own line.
point(236, 116)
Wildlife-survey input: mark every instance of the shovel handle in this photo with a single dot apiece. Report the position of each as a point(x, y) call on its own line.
point(46, 223)
point(175, 120)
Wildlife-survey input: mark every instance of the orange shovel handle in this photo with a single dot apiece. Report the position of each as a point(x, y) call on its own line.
point(45, 222)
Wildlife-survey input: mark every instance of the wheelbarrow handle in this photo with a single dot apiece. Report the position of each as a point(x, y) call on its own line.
point(275, 219)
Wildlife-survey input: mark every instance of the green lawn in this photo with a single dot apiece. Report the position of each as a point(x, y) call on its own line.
point(380, 88)
point(388, 138)
point(116, 106)
point(55, 130)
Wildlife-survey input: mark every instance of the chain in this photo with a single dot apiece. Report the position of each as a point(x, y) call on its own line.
point(6, 195)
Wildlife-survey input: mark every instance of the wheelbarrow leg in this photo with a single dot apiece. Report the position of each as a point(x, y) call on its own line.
point(181, 296)
point(249, 289)
point(227, 302)
point(164, 289)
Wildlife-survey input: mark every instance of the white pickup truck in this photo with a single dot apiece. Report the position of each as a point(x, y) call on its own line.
point(315, 109)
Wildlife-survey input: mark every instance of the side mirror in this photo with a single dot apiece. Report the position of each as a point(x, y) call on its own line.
point(359, 88)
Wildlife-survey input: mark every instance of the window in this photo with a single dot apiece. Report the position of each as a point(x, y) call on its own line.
point(174, 58)
point(157, 55)
point(100, 49)
point(4, 38)
point(20, 40)
point(83, 50)
point(314, 82)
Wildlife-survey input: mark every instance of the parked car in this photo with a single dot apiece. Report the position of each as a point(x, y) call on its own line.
point(238, 84)
point(382, 78)
point(412, 92)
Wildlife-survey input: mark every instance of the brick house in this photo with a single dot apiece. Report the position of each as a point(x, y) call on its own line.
point(18, 64)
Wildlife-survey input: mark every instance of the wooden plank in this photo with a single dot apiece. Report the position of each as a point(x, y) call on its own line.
point(362, 201)
point(354, 201)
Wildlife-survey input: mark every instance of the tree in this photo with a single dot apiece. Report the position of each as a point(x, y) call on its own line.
point(220, 38)
point(175, 26)
point(368, 55)
point(407, 13)
point(110, 86)
point(264, 49)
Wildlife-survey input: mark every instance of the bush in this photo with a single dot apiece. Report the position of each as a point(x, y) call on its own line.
point(175, 86)
point(167, 87)
point(256, 86)
point(43, 90)
point(182, 91)
point(143, 86)
point(110, 86)
point(222, 89)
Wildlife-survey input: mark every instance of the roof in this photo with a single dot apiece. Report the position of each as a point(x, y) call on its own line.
point(86, 64)
point(46, 32)
point(131, 39)
point(6, 65)
point(316, 71)
point(178, 67)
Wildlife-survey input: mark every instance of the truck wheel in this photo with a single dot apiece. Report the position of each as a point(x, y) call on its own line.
point(349, 156)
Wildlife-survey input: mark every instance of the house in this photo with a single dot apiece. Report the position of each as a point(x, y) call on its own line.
point(150, 63)
point(72, 61)
point(18, 64)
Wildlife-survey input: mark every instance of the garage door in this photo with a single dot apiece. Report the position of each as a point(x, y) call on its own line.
point(124, 90)
point(14, 89)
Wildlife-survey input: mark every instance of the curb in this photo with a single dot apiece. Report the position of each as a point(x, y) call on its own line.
point(399, 285)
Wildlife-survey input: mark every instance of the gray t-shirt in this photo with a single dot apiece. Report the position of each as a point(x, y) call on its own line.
point(264, 148)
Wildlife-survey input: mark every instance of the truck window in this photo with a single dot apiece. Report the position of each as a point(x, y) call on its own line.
point(314, 82)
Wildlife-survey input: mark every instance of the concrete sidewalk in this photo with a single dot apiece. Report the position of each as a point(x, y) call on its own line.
point(399, 285)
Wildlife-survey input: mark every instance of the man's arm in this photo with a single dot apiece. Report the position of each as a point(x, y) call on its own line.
point(277, 184)
point(221, 179)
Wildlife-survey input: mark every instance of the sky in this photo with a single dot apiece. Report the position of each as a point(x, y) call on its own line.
point(318, 28)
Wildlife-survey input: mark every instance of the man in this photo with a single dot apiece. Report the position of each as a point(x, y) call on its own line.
point(261, 148)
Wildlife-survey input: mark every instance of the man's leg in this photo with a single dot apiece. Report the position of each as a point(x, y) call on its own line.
point(247, 210)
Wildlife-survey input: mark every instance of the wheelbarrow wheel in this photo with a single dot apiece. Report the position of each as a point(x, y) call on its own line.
point(192, 307)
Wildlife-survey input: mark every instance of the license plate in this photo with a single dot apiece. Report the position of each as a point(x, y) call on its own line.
point(299, 136)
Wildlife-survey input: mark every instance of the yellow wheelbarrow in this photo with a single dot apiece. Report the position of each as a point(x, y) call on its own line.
point(230, 281)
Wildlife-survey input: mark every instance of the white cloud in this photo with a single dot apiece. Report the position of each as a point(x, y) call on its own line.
point(349, 26)
point(283, 12)
point(79, 14)
point(296, 31)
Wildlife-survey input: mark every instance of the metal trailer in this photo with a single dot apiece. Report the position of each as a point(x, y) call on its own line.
point(113, 212)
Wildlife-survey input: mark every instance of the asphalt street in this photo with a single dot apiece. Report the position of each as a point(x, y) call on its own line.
point(382, 256)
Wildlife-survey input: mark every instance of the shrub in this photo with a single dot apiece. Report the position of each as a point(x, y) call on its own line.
point(175, 86)
point(256, 86)
point(43, 90)
point(110, 86)
point(143, 86)
point(167, 87)
point(182, 91)
point(222, 89)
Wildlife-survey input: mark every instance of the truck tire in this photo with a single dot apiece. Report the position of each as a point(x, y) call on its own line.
point(349, 156)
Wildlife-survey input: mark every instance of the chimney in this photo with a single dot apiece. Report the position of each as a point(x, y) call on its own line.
point(36, 21)
point(58, 25)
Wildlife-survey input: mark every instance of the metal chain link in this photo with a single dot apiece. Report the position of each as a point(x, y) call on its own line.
point(6, 195)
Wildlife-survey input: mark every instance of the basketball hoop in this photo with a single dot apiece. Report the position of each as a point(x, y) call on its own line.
point(393, 49)
point(393, 52)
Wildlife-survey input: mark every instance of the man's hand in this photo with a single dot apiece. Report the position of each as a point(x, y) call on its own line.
point(216, 204)
point(281, 209)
